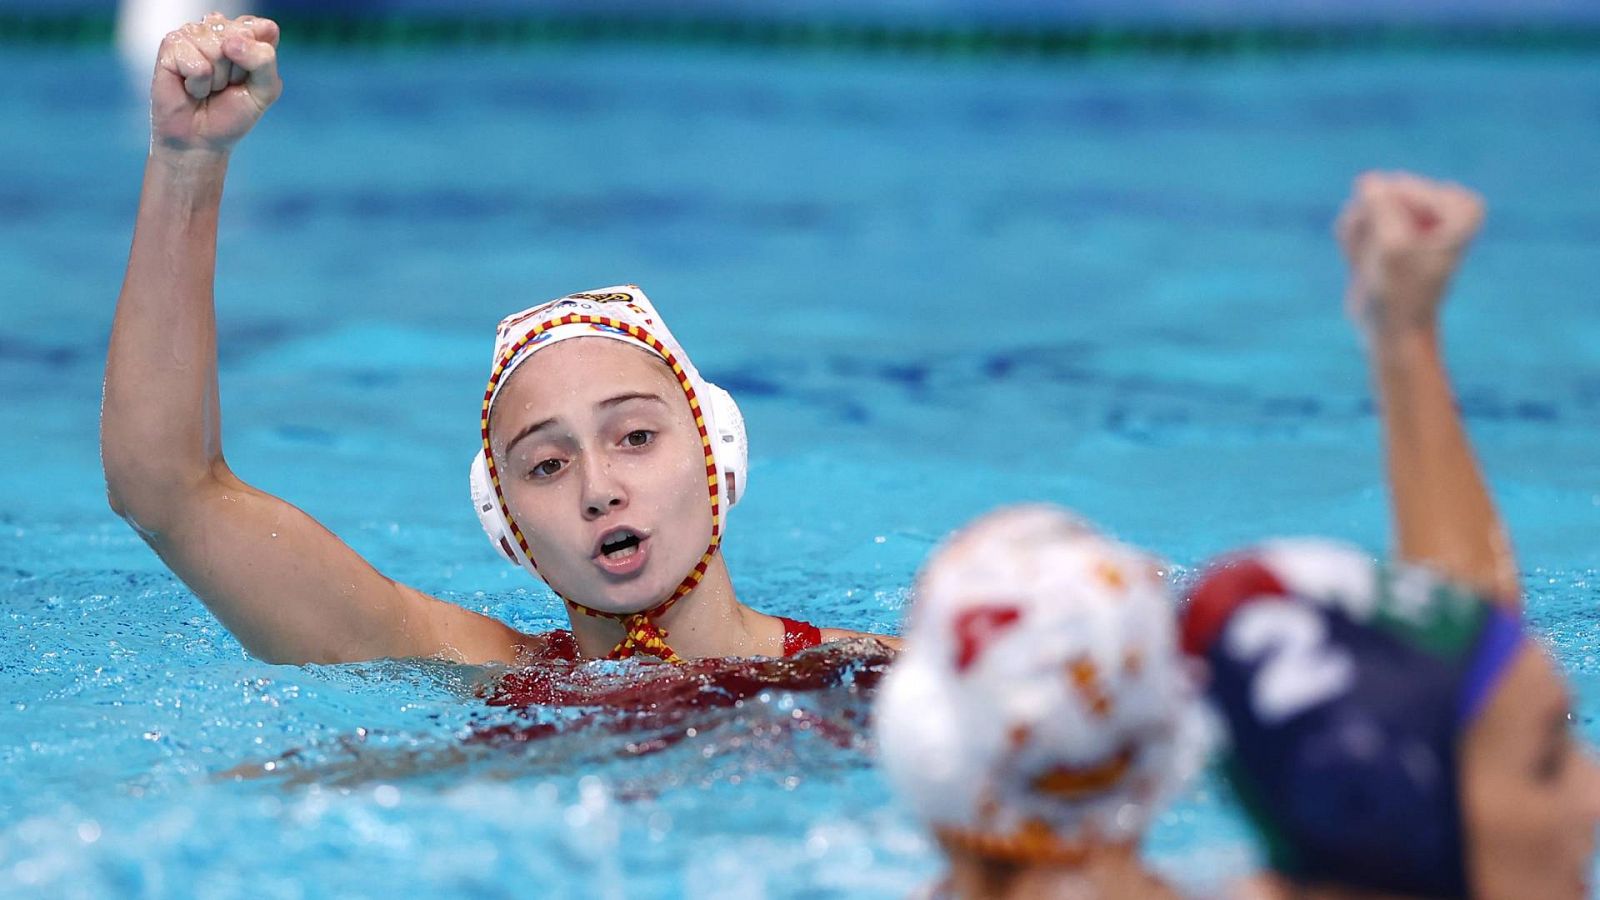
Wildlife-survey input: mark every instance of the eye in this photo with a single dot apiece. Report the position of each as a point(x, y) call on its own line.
point(638, 438)
point(546, 468)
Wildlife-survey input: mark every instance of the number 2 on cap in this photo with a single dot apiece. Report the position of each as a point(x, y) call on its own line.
point(1298, 668)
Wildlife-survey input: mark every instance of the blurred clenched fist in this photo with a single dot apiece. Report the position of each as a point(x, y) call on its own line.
point(213, 80)
point(1403, 237)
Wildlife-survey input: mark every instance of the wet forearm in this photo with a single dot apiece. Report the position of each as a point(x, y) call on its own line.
point(160, 426)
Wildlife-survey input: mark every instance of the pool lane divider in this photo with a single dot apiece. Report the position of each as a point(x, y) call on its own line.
point(1042, 41)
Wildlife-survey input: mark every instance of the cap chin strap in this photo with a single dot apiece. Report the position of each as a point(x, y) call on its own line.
point(642, 635)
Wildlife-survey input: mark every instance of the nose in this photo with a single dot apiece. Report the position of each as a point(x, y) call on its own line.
point(602, 492)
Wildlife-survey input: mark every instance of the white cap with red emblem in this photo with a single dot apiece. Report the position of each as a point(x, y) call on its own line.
point(1040, 705)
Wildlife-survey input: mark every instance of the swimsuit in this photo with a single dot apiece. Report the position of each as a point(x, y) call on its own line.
point(798, 636)
point(720, 681)
point(561, 646)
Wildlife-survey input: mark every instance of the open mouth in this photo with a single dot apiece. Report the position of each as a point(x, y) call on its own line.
point(620, 545)
point(620, 550)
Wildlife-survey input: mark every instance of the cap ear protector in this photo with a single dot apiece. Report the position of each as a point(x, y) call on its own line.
point(489, 516)
point(729, 444)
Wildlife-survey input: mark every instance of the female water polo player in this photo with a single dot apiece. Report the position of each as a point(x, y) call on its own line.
point(1038, 718)
point(1394, 734)
point(607, 465)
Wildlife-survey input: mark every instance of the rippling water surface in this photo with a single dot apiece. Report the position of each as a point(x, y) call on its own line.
point(934, 288)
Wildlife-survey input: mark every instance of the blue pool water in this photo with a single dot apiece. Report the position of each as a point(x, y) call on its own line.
point(934, 286)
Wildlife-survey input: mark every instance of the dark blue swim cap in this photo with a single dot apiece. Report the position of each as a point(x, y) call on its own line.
point(1346, 686)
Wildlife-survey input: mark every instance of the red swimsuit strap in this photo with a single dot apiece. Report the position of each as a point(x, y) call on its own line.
point(799, 636)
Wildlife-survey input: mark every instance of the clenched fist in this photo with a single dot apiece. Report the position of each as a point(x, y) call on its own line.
point(213, 80)
point(1403, 237)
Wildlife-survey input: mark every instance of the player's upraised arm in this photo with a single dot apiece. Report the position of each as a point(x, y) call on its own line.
point(286, 587)
point(1403, 237)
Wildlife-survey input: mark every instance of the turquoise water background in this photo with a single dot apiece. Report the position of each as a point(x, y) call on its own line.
point(934, 287)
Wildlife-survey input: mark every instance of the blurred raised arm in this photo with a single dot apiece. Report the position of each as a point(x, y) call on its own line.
point(1403, 237)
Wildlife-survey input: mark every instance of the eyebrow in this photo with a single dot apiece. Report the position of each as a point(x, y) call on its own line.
point(607, 403)
point(620, 399)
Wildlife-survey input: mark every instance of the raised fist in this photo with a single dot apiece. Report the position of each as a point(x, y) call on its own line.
point(213, 80)
point(1403, 237)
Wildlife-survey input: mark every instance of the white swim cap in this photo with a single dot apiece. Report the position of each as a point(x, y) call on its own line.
point(620, 313)
point(1039, 706)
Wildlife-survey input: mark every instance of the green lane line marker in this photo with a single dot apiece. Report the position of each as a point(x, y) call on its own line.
point(934, 41)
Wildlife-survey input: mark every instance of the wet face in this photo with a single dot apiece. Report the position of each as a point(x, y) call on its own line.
point(603, 468)
point(1530, 790)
